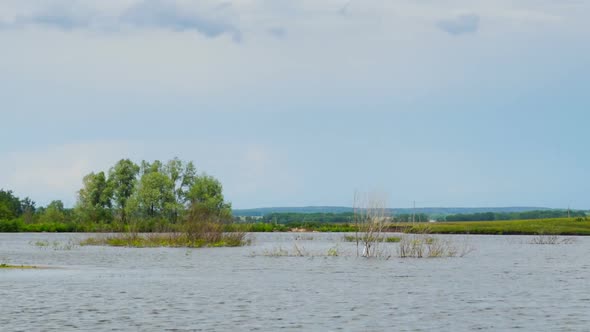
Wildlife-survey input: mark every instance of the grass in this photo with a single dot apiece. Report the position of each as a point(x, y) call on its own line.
point(551, 239)
point(427, 246)
point(152, 240)
point(55, 245)
point(559, 226)
point(389, 239)
point(298, 251)
point(556, 226)
point(21, 267)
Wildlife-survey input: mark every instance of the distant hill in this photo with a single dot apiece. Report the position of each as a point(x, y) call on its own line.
point(341, 209)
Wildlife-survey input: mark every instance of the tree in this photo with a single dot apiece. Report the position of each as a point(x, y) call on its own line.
point(10, 205)
point(183, 178)
point(206, 194)
point(54, 213)
point(95, 198)
point(28, 207)
point(122, 177)
point(155, 194)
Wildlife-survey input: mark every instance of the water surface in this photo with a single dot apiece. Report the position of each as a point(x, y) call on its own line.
point(506, 283)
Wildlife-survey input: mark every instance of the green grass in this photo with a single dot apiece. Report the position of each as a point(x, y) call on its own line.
point(165, 240)
point(557, 226)
point(560, 226)
point(389, 239)
point(21, 267)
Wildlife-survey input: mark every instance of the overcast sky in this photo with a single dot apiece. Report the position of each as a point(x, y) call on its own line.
point(300, 102)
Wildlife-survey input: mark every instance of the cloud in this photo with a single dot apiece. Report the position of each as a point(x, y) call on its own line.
point(60, 19)
point(61, 16)
point(278, 32)
point(165, 14)
point(155, 14)
point(462, 24)
point(56, 172)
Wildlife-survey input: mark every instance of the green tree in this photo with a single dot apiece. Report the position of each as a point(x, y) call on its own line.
point(206, 194)
point(155, 194)
point(28, 208)
point(95, 198)
point(122, 177)
point(147, 167)
point(10, 205)
point(183, 178)
point(54, 213)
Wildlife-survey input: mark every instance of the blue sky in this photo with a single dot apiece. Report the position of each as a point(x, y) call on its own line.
point(297, 102)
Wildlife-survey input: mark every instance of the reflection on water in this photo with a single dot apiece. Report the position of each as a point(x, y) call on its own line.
point(505, 283)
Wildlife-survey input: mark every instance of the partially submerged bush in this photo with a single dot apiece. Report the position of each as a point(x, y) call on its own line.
point(427, 246)
point(369, 220)
point(551, 239)
point(299, 251)
point(203, 227)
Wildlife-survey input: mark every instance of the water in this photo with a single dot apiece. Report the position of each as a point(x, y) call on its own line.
point(504, 284)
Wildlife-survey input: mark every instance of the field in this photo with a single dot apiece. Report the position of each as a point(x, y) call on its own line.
point(560, 226)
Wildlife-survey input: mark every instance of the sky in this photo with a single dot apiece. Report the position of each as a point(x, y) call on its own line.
point(299, 102)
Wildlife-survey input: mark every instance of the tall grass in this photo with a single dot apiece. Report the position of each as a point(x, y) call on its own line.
point(201, 229)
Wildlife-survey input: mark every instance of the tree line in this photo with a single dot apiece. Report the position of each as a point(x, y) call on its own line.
point(297, 219)
point(148, 194)
point(491, 216)
point(292, 218)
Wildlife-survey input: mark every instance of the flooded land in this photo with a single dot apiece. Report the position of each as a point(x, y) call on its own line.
point(504, 282)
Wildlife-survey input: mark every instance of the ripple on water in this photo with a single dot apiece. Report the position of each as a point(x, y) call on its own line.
point(504, 284)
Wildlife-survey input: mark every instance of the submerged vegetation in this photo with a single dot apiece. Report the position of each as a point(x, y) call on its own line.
point(388, 239)
point(20, 267)
point(551, 239)
point(147, 240)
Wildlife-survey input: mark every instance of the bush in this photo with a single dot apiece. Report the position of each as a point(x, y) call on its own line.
point(11, 226)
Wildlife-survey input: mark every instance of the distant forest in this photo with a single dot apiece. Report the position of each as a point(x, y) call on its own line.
point(348, 217)
point(433, 212)
point(490, 216)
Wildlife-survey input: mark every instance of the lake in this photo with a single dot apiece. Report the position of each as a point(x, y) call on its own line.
point(505, 283)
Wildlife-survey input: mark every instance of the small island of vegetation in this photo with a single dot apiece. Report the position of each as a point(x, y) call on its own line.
point(153, 197)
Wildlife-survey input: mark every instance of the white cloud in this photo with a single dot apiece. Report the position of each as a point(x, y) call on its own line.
point(56, 172)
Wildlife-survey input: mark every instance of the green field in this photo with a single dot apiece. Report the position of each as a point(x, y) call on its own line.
point(560, 226)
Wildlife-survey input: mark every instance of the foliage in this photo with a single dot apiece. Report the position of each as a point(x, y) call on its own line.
point(122, 178)
point(206, 195)
point(291, 218)
point(150, 197)
point(538, 214)
point(54, 213)
point(388, 239)
point(164, 240)
point(95, 198)
point(557, 226)
point(155, 195)
point(10, 205)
